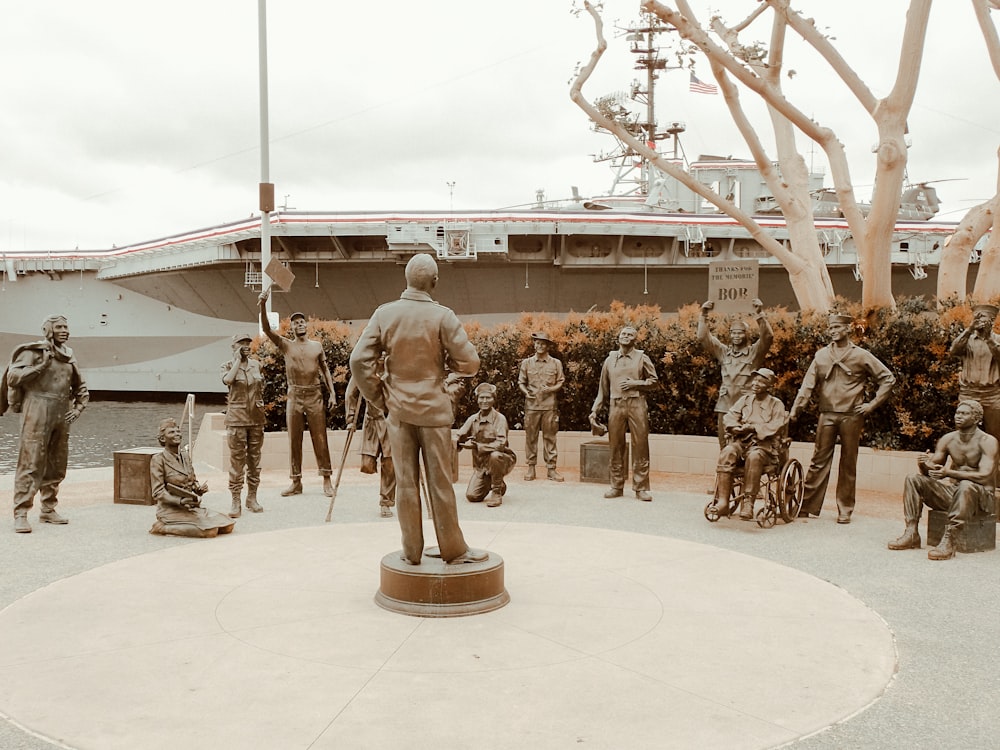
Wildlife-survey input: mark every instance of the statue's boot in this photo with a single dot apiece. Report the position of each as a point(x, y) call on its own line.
point(234, 511)
point(252, 505)
point(555, 476)
point(495, 498)
point(21, 525)
point(945, 550)
point(295, 488)
point(723, 489)
point(328, 486)
point(529, 474)
point(51, 516)
point(910, 538)
point(746, 507)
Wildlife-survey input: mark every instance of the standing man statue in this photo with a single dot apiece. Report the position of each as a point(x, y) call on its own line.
point(485, 434)
point(979, 350)
point(958, 479)
point(374, 445)
point(738, 360)
point(427, 351)
point(540, 378)
point(244, 423)
point(625, 377)
point(44, 384)
point(305, 367)
point(837, 377)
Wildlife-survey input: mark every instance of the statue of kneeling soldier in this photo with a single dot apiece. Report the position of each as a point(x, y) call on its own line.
point(485, 434)
point(957, 478)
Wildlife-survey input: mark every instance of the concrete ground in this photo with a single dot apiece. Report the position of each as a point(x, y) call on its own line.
point(631, 625)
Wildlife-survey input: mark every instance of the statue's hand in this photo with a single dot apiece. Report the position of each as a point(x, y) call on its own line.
point(262, 297)
point(758, 306)
point(707, 307)
point(72, 415)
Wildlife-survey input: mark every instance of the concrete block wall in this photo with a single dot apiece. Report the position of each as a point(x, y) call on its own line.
point(881, 471)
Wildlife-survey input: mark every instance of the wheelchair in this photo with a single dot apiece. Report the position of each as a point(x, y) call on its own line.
point(781, 483)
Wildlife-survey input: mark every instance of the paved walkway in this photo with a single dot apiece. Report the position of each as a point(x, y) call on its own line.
point(631, 624)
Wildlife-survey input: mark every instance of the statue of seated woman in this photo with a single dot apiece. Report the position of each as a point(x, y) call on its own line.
point(178, 494)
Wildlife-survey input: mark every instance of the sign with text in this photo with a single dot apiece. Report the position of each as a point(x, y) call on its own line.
point(732, 285)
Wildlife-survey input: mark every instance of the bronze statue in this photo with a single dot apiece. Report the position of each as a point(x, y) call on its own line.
point(738, 360)
point(837, 377)
point(978, 347)
point(178, 493)
point(540, 378)
point(244, 423)
point(958, 479)
point(755, 425)
point(625, 376)
point(426, 350)
point(305, 368)
point(485, 434)
point(44, 384)
point(374, 446)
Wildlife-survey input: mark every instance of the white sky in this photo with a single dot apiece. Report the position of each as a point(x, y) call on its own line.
point(124, 121)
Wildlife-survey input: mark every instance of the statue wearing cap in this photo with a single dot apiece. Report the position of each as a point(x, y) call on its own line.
point(540, 378)
point(44, 384)
point(306, 371)
point(754, 425)
point(837, 377)
point(978, 348)
point(244, 423)
point(485, 434)
point(375, 445)
point(736, 361)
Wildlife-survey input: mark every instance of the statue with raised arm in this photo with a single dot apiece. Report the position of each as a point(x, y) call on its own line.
point(44, 384)
point(306, 371)
point(957, 478)
point(426, 352)
point(837, 377)
point(626, 375)
point(978, 348)
point(244, 423)
point(177, 492)
point(738, 360)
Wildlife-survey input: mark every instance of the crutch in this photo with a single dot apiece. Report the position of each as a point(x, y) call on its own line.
point(343, 460)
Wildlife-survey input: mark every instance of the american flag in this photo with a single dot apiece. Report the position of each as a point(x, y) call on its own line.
point(700, 87)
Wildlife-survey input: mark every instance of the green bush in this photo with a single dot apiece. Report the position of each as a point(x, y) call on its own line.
point(913, 342)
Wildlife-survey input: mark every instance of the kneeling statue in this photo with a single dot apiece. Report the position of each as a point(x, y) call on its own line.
point(178, 494)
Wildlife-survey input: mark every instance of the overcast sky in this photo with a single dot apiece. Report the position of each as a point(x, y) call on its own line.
point(125, 121)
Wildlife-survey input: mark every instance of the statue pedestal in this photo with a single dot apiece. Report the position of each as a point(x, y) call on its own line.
point(436, 589)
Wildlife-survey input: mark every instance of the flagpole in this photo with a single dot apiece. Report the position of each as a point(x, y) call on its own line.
point(266, 188)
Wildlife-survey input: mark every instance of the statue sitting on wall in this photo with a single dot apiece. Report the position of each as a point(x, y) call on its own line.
point(485, 434)
point(754, 424)
point(178, 493)
point(958, 479)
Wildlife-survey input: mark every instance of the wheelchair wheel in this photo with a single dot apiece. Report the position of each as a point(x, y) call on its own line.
point(767, 516)
point(790, 488)
point(711, 512)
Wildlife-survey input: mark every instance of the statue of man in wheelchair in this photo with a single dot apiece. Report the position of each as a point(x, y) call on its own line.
point(756, 427)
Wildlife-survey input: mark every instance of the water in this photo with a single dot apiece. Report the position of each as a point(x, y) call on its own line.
point(106, 427)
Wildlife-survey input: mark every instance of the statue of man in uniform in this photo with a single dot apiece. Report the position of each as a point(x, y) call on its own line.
point(540, 378)
point(244, 423)
point(978, 347)
point(44, 383)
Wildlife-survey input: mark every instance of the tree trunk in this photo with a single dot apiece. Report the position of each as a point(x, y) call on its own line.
point(953, 270)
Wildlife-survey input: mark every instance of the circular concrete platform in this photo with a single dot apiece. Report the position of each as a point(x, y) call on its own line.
point(436, 589)
point(271, 640)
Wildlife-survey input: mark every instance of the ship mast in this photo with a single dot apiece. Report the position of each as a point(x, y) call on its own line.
point(633, 173)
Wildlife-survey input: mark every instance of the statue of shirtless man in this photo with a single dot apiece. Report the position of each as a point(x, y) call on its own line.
point(305, 368)
point(958, 479)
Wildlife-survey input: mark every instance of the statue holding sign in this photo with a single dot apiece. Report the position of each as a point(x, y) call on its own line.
point(738, 361)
